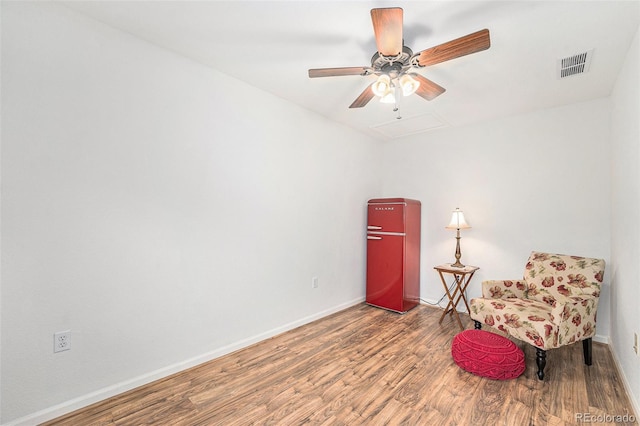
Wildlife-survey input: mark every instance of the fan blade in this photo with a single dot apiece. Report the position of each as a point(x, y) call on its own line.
point(428, 89)
point(387, 26)
point(462, 46)
point(334, 72)
point(364, 98)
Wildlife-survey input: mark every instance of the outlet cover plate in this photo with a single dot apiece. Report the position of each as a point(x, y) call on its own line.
point(62, 341)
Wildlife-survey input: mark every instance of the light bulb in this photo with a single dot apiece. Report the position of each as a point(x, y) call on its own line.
point(388, 98)
point(382, 85)
point(409, 84)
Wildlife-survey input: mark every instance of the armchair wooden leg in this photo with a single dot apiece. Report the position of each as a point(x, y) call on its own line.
point(586, 348)
point(477, 325)
point(541, 360)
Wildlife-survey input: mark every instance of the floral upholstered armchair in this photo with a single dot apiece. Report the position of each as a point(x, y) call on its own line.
point(553, 305)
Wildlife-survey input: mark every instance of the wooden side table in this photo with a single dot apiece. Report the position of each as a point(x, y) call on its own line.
point(462, 277)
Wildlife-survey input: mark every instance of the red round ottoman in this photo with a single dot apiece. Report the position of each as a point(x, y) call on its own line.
point(487, 354)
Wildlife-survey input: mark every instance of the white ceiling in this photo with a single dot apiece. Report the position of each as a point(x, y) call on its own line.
point(272, 44)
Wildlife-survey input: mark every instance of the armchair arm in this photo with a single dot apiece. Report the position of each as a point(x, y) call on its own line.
point(575, 317)
point(504, 289)
point(566, 309)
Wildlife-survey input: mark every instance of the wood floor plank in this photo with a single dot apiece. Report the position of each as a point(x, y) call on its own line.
point(488, 400)
point(517, 412)
point(366, 365)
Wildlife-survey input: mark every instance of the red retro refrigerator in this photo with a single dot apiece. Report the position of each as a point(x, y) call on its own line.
point(393, 253)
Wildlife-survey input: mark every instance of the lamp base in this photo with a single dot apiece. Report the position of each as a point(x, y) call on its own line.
point(458, 252)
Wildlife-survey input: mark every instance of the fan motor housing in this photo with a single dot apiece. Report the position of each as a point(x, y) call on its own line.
point(393, 66)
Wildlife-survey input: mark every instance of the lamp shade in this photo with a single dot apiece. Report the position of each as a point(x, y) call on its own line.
point(409, 84)
point(457, 220)
point(382, 86)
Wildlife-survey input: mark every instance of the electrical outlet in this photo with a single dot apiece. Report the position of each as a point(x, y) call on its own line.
point(314, 282)
point(62, 341)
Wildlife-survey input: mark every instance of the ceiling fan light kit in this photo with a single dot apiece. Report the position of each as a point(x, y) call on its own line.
point(395, 64)
point(390, 91)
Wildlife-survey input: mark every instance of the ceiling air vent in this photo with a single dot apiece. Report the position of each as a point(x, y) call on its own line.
point(576, 64)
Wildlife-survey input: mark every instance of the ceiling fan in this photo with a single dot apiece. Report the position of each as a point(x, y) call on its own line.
point(395, 64)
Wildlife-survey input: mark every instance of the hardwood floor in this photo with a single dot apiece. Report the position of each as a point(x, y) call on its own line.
point(368, 366)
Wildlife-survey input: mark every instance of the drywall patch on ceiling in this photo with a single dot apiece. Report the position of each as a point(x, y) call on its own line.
point(574, 64)
point(410, 126)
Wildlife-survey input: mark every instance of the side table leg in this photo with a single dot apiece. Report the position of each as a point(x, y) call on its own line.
point(464, 288)
point(450, 306)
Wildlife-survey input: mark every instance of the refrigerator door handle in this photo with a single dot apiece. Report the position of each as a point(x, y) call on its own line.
point(395, 234)
point(373, 237)
point(373, 227)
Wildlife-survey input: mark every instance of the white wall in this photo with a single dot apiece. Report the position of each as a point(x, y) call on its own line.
point(161, 211)
point(625, 231)
point(539, 181)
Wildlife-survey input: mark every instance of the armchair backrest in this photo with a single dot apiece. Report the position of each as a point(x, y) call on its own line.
point(552, 277)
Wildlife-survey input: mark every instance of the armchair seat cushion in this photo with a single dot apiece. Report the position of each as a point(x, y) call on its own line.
point(487, 354)
point(526, 319)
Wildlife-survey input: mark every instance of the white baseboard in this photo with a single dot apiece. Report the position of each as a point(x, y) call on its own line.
point(118, 388)
point(602, 339)
point(434, 303)
point(625, 382)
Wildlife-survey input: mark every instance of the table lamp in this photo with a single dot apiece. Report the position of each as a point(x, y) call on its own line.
point(457, 223)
